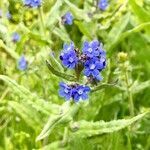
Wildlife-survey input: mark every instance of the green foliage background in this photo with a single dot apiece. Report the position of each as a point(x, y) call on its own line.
point(29, 100)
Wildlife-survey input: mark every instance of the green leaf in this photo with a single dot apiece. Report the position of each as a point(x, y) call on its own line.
point(9, 51)
point(128, 33)
point(55, 63)
point(78, 13)
point(142, 14)
point(30, 98)
point(86, 129)
point(118, 28)
point(84, 28)
point(138, 87)
point(62, 33)
point(54, 14)
point(27, 113)
point(33, 36)
point(68, 112)
point(103, 86)
point(3, 32)
point(60, 74)
point(40, 39)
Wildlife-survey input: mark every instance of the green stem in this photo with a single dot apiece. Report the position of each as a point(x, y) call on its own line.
point(129, 140)
point(41, 21)
point(130, 97)
point(65, 137)
point(103, 93)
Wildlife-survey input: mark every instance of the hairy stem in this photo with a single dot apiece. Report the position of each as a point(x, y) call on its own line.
point(130, 97)
point(41, 21)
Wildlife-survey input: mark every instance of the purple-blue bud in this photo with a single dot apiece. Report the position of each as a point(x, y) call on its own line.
point(22, 63)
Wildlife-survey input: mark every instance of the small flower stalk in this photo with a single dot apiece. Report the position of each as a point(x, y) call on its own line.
point(88, 62)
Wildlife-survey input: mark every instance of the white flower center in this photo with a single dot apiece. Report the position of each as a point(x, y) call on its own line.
point(70, 59)
point(92, 66)
point(66, 91)
point(80, 92)
point(90, 50)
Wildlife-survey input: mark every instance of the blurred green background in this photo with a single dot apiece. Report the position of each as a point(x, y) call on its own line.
point(29, 98)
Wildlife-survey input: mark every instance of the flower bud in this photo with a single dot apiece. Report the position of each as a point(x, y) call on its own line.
point(122, 56)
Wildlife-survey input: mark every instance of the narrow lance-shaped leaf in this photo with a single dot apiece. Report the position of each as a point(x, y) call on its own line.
point(86, 129)
point(142, 14)
point(8, 50)
point(116, 31)
point(102, 86)
point(66, 116)
point(31, 99)
point(53, 15)
point(78, 13)
point(130, 32)
point(138, 87)
point(60, 74)
point(84, 29)
point(62, 33)
point(27, 113)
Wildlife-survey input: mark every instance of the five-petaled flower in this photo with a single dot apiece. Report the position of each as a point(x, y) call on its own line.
point(80, 92)
point(93, 48)
point(67, 18)
point(74, 91)
point(32, 3)
point(95, 60)
point(93, 67)
point(65, 91)
point(68, 56)
point(22, 63)
point(102, 4)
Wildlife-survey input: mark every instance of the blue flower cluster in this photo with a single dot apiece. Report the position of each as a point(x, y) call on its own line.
point(95, 59)
point(32, 3)
point(68, 56)
point(67, 18)
point(102, 4)
point(92, 60)
point(22, 63)
point(15, 37)
point(74, 91)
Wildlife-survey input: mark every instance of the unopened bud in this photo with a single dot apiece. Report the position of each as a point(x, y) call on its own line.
point(122, 56)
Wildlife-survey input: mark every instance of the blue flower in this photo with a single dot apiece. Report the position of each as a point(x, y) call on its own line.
point(8, 15)
point(93, 48)
point(32, 3)
point(80, 92)
point(15, 37)
point(93, 67)
point(68, 56)
point(74, 91)
point(22, 63)
point(67, 18)
point(102, 4)
point(65, 91)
